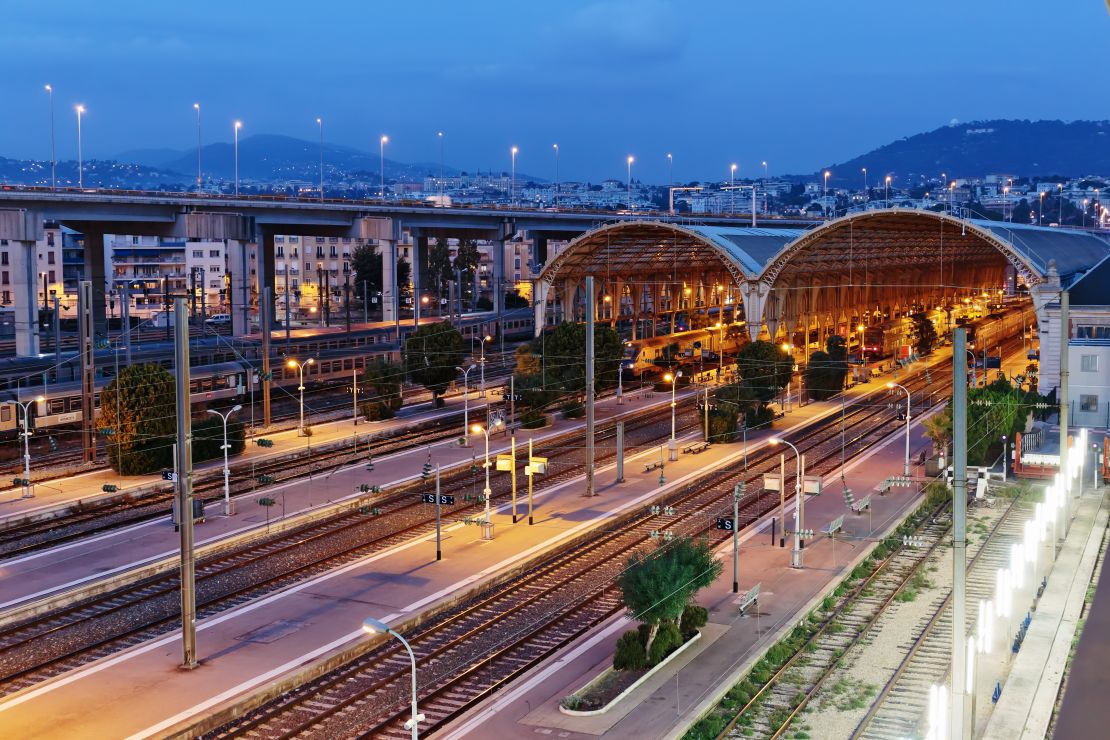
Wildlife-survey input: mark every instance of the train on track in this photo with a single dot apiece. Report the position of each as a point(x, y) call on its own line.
point(681, 347)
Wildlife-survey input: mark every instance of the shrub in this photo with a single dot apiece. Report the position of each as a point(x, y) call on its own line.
point(630, 655)
point(694, 617)
point(573, 410)
point(377, 411)
point(667, 639)
point(533, 419)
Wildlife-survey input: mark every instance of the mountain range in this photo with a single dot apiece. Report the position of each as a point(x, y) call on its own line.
point(1017, 148)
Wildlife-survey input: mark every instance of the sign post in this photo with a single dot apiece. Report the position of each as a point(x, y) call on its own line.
point(439, 544)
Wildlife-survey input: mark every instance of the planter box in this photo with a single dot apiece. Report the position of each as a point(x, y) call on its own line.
point(630, 689)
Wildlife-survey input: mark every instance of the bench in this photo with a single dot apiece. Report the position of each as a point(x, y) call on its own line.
point(749, 597)
point(834, 526)
point(657, 465)
point(695, 448)
point(863, 503)
point(780, 415)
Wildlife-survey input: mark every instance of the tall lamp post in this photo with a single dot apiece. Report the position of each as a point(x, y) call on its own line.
point(825, 195)
point(732, 188)
point(487, 529)
point(512, 180)
point(439, 135)
point(466, 404)
point(53, 157)
point(238, 125)
point(556, 147)
point(631, 159)
point(887, 183)
point(200, 180)
point(482, 362)
point(80, 159)
point(796, 553)
point(892, 385)
point(373, 627)
point(227, 472)
point(670, 169)
point(320, 123)
point(381, 167)
point(672, 445)
point(300, 386)
point(26, 433)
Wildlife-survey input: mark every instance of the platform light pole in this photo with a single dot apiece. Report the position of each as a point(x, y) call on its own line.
point(466, 404)
point(53, 156)
point(184, 464)
point(373, 626)
point(959, 529)
point(200, 179)
point(481, 362)
point(672, 444)
point(487, 529)
point(796, 553)
point(80, 109)
point(892, 385)
point(26, 434)
point(225, 447)
point(291, 363)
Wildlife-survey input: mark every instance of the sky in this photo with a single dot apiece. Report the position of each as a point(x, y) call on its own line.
point(801, 84)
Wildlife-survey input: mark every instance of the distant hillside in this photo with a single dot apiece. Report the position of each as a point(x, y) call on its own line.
point(1020, 148)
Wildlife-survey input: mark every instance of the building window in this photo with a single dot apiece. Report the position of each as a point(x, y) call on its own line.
point(50, 277)
point(213, 268)
point(1088, 363)
point(333, 253)
point(3, 258)
point(198, 254)
point(7, 297)
point(1088, 402)
point(281, 252)
point(50, 238)
point(319, 240)
point(215, 253)
point(50, 258)
point(308, 267)
point(295, 253)
point(4, 278)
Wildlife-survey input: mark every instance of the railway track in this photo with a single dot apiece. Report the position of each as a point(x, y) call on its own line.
point(93, 628)
point(513, 627)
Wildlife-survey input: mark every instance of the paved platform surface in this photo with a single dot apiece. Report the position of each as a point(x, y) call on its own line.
point(70, 565)
point(326, 611)
point(684, 692)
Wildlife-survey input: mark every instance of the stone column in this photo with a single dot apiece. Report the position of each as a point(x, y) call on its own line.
point(239, 264)
point(95, 274)
point(24, 280)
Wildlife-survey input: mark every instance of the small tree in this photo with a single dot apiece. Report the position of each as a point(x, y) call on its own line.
point(138, 417)
point(924, 333)
point(367, 264)
point(938, 428)
point(384, 381)
point(657, 585)
point(432, 353)
point(764, 368)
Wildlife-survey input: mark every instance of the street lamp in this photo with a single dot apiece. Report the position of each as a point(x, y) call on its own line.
point(300, 386)
point(764, 163)
point(320, 123)
point(466, 404)
point(238, 125)
point(487, 531)
point(381, 173)
point(888, 190)
point(796, 553)
point(673, 380)
point(556, 147)
point(372, 626)
point(482, 361)
point(631, 159)
point(1040, 209)
point(892, 385)
point(670, 169)
point(227, 473)
point(80, 160)
point(512, 180)
point(439, 135)
point(732, 187)
point(866, 192)
point(26, 442)
point(53, 157)
point(825, 195)
point(196, 107)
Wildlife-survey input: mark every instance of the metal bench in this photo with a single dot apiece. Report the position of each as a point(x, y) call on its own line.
point(834, 526)
point(863, 503)
point(749, 597)
point(657, 465)
point(695, 448)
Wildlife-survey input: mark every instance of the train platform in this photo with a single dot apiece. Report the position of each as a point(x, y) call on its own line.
point(253, 645)
point(677, 696)
point(87, 488)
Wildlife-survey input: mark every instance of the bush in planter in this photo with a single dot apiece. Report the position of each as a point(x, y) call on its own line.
point(630, 655)
point(377, 411)
point(573, 410)
point(533, 419)
point(694, 617)
point(667, 639)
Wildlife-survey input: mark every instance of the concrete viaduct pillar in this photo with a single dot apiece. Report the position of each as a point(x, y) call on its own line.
point(23, 229)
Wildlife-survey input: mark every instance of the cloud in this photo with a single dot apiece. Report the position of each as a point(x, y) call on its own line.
point(646, 30)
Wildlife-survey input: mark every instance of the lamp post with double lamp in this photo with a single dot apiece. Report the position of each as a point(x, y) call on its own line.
point(892, 385)
point(227, 472)
point(372, 626)
point(80, 159)
point(796, 553)
point(26, 434)
point(512, 176)
point(672, 444)
point(381, 166)
point(482, 362)
point(238, 125)
point(300, 386)
point(466, 404)
point(487, 528)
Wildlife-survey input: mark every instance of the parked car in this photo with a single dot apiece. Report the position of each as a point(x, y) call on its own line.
point(219, 319)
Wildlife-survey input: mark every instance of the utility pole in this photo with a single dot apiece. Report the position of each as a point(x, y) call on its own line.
point(57, 330)
point(88, 369)
point(439, 544)
point(512, 450)
point(590, 386)
point(125, 303)
point(782, 500)
point(620, 452)
point(959, 532)
point(737, 492)
point(184, 450)
point(531, 475)
point(266, 325)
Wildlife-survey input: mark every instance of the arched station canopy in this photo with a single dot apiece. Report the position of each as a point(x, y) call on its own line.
point(870, 262)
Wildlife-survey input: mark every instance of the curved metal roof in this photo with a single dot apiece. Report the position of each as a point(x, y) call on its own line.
point(1073, 250)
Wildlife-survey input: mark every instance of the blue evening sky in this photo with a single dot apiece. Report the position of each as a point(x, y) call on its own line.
point(798, 83)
